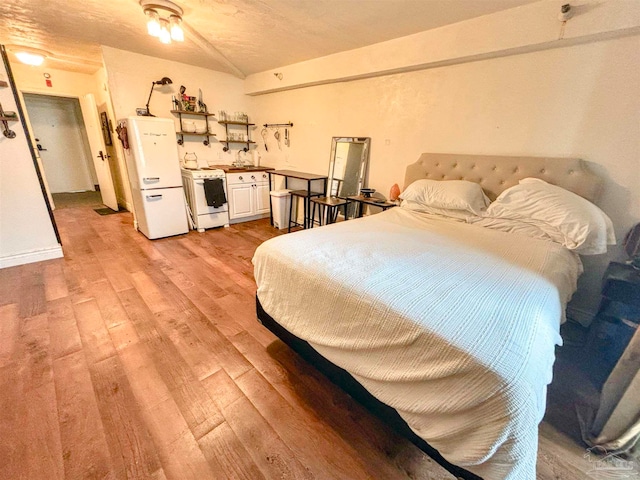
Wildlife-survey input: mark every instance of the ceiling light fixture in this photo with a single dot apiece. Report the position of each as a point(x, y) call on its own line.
point(28, 55)
point(164, 20)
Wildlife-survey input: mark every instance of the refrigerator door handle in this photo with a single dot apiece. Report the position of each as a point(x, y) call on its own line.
point(151, 197)
point(151, 179)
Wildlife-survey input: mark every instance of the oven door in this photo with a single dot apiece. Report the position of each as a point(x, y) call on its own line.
point(201, 200)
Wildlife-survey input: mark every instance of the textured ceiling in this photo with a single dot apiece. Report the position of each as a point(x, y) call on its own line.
point(235, 36)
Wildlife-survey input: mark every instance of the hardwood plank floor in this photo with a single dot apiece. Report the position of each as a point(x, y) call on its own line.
point(132, 359)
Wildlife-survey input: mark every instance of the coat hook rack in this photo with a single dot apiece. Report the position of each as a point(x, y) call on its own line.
point(269, 125)
point(5, 118)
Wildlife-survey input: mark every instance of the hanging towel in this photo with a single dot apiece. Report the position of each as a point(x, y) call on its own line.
point(214, 192)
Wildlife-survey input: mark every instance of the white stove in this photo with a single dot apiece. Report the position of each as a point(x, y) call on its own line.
point(203, 212)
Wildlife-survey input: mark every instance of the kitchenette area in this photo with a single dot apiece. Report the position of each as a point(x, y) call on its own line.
point(246, 191)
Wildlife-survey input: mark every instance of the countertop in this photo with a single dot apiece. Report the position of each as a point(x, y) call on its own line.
point(233, 169)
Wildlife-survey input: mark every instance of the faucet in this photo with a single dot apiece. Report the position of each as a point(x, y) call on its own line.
point(240, 162)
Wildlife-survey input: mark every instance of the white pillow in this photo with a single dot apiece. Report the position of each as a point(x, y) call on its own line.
point(510, 225)
point(449, 194)
point(446, 212)
point(566, 217)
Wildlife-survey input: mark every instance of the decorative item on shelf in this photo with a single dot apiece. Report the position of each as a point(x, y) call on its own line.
point(394, 193)
point(367, 192)
point(162, 81)
point(202, 107)
point(164, 20)
point(188, 126)
point(200, 127)
point(237, 119)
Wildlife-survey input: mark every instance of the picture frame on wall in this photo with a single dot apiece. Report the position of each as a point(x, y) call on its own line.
point(106, 130)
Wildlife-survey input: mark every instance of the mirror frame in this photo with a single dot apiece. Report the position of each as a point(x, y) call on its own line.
point(364, 161)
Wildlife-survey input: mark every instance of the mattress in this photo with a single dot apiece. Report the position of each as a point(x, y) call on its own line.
point(451, 324)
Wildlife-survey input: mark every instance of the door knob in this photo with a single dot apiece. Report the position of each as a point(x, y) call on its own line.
point(100, 155)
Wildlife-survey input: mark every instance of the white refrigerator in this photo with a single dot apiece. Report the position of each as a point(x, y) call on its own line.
point(154, 174)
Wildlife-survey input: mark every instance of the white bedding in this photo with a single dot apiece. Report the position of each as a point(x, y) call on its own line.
point(451, 324)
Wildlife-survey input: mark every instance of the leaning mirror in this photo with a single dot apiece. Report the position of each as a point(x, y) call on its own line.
point(348, 165)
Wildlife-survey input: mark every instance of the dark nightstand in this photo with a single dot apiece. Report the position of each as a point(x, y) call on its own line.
point(616, 321)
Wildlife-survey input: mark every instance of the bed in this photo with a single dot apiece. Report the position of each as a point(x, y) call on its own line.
point(445, 327)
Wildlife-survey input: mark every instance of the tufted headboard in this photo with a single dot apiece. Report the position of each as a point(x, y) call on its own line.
point(497, 173)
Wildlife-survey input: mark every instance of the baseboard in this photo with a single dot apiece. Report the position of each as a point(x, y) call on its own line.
point(248, 219)
point(583, 317)
point(31, 257)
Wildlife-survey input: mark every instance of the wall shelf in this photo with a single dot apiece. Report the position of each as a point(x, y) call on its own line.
point(186, 112)
point(246, 142)
point(182, 133)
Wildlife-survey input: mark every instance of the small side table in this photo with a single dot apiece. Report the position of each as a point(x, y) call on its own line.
point(360, 200)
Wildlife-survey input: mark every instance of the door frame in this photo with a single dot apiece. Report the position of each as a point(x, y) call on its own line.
point(64, 94)
point(49, 103)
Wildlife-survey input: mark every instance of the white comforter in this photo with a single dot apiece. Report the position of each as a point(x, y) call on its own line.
point(451, 324)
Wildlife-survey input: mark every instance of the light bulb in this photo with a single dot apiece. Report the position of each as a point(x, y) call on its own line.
point(177, 33)
point(165, 36)
point(153, 22)
point(30, 58)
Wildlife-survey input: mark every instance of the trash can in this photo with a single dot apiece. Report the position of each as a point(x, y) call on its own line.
point(280, 202)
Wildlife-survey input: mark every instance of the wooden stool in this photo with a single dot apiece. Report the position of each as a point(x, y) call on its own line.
point(307, 222)
point(329, 207)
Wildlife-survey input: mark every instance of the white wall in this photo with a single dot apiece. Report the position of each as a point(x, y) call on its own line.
point(26, 231)
point(31, 79)
point(579, 101)
point(130, 76)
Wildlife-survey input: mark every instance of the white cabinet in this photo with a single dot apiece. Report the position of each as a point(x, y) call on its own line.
point(241, 201)
point(262, 197)
point(248, 194)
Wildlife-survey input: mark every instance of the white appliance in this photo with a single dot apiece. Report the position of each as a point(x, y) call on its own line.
point(203, 215)
point(154, 174)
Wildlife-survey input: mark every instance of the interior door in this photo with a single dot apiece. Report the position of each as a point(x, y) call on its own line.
point(98, 150)
point(56, 126)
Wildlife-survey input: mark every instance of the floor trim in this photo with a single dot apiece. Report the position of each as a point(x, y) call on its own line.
point(31, 257)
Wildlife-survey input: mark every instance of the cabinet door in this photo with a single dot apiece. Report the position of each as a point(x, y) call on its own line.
point(241, 201)
point(262, 198)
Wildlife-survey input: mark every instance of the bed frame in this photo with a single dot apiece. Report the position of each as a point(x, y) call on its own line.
point(350, 385)
point(497, 173)
point(494, 174)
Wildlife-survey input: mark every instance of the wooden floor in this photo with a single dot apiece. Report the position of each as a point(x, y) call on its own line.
point(133, 359)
